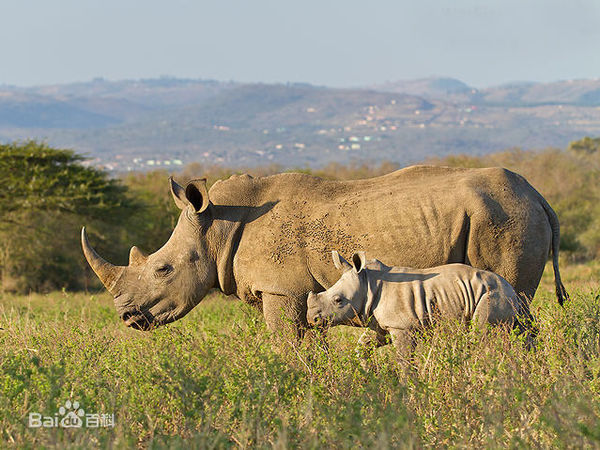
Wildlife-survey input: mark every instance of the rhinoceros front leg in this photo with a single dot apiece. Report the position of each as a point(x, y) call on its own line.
point(405, 343)
point(368, 342)
point(285, 316)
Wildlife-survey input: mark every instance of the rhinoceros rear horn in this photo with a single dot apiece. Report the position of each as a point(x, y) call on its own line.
point(136, 257)
point(108, 273)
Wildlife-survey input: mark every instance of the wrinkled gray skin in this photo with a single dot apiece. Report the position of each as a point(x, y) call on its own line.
point(398, 301)
point(268, 240)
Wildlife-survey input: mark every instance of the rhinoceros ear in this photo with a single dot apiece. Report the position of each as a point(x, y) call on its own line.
point(359, 260)
point(339, 262)
point(197, 195)
point(178, 193)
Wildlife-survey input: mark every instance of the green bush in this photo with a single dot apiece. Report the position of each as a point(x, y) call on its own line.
point(215, 379)
point(46, 194)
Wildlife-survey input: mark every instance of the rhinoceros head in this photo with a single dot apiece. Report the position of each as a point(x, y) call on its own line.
point(164, 286)
point(343, 302)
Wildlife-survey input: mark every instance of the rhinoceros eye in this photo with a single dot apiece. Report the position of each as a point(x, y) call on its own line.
point(338, 299)
point(164, 270)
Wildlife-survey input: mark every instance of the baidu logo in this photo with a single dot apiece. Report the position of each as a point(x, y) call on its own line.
point(71, 416)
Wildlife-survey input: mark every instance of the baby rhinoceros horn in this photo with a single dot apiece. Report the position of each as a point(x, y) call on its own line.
point(108, 273)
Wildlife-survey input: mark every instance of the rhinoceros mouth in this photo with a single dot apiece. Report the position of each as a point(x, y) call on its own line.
point(316, 320)
point(139, 320)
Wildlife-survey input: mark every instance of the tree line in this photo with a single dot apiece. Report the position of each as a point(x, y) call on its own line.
point(47, 194)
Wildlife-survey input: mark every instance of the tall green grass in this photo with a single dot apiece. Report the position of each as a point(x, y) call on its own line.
point(214, 379)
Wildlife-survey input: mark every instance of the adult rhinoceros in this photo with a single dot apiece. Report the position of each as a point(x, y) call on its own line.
point(268, 240)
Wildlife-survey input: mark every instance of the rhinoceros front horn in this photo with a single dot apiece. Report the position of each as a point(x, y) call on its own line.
point(108, 273)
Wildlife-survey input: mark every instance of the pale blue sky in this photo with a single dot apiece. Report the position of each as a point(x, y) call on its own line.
point(328, 42)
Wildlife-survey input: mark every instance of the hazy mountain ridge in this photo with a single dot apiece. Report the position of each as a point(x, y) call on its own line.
point(137, 124)
point(426, 87)
point(572, 92)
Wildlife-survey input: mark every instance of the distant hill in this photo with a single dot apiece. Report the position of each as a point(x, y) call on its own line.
point(426, 87)
point(568, 92)
point(144, 124)
point(37, 111)
point(149, 93)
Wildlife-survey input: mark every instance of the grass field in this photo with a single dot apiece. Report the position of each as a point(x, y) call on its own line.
point(214, 379)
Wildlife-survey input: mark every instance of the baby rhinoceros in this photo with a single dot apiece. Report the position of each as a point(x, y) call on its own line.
point(399, 301)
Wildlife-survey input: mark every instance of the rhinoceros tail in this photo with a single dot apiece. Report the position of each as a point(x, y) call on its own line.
point(561, 292)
